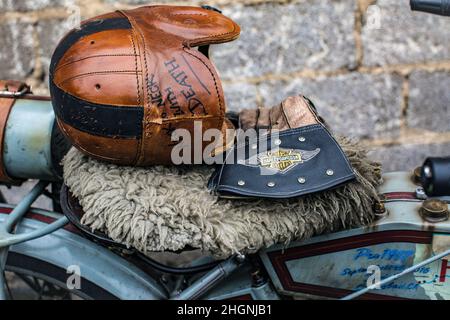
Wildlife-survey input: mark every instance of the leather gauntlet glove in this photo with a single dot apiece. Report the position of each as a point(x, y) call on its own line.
point(293, 112)
point(295, 157)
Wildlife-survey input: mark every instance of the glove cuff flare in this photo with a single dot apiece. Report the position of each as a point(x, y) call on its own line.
point(292, 155)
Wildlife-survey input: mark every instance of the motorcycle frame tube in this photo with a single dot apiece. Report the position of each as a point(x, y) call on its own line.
point(240, 286)
point(209, 280)
point(8, 238)
point(50, 242)
point(27, 150)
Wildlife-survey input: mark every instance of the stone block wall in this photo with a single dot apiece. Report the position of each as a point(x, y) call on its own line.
point(375, 70)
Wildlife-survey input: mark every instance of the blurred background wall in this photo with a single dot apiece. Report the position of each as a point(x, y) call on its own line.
point(375, 70)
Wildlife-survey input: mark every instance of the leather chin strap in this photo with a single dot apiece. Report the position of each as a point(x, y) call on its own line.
point(9, 91)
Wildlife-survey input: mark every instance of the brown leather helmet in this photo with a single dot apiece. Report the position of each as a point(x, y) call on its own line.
point(124, 81)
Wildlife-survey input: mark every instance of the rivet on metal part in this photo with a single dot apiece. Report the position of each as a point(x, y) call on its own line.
point(240, 258)
point(301, 139)
point(434, 210)
point(271, 184)
point(330, 172)
point(379, 208)
point(277, 142)
point(301, 180)
point(420, 194)
point(241, 183)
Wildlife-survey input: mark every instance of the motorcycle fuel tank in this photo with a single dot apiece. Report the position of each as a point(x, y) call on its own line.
point(338, 264)
point(32, 145)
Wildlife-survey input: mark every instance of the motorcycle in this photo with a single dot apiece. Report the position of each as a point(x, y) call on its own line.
point(404, 254)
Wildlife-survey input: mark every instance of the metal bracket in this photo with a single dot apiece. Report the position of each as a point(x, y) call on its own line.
point(208, 281)
point(9, 238)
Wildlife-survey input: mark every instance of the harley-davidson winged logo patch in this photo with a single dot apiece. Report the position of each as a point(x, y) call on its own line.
point(282, 160)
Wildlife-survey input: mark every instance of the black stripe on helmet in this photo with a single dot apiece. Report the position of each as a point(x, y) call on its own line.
point(97, 119)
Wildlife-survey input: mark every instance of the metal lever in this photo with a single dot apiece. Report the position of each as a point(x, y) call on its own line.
point(8, 238)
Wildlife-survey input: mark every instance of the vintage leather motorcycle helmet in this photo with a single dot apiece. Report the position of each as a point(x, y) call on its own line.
point(124, 81)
